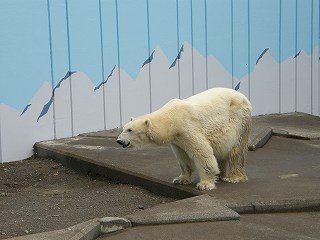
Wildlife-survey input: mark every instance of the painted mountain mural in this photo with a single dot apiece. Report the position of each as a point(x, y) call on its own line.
point(23, 130)
point(75, 105)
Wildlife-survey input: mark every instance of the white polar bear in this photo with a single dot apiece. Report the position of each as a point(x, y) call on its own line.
point(207, 132)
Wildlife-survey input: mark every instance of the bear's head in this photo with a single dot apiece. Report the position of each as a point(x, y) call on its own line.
point(135, 134)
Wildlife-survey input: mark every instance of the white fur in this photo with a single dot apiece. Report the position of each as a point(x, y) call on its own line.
point(208, 133)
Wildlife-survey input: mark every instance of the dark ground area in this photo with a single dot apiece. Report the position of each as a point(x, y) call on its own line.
point(38, 195)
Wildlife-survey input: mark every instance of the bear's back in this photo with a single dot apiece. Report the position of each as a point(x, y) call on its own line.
point(216, 106)
point(215, 95)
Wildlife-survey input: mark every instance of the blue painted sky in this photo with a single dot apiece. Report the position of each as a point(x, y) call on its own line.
point(78, 44)
point(24, 50)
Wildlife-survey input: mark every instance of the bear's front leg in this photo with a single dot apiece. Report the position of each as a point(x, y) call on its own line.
point(186, 165)
point(207, 182)
point(206, 165)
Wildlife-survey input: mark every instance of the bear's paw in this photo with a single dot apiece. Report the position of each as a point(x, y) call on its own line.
point(234, 179)
point(206, 185)
point(183, 180)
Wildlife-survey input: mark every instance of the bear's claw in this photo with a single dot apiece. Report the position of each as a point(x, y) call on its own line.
point(181, 180)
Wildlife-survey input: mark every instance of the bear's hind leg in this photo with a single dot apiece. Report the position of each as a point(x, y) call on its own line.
point(186, 165)
point(232, 172)
point(233, 167)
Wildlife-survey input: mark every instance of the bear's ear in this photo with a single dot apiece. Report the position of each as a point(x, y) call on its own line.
point(147, 122)
point(131, 118)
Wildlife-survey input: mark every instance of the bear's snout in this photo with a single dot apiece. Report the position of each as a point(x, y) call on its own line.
point(120, 142)
point(124, 144)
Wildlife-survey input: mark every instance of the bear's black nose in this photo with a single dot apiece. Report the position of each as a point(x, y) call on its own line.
point(120, 142)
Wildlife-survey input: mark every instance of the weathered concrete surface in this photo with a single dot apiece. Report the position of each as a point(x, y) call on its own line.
point(113, 224)
point(295, 125)
point(196, 209)
point(280, 226)
point(283, 175)
point(285, 169)
point(259, 137)
point(292, 125)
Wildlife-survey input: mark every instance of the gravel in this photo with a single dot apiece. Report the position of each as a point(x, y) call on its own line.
point(38, 195)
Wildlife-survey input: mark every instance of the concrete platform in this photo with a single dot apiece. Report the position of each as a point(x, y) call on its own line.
point(280, 226)
point(292, 125)
point(283, 175)
point(196, 209)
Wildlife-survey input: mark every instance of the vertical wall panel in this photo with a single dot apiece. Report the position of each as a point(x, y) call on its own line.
point(25, 77)
point(60, 68)
point(287, 53)
point(0, 131)
point(163, 39)
point(1, 100)
point(219, 43)
point(133, 35)
point(84, 37)
point(264, 45)
point(133, 46)
point(199, 46)
point(110, 55)
point(85, 56)
point(304, 58)
point(315, 59)
point(240, 46)
point(1, 87)
point(24, 60)
point(185, 61)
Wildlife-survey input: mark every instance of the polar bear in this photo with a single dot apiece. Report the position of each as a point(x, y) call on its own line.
point(208, 133)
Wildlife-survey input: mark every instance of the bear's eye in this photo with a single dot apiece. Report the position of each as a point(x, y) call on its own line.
point(129, 130)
